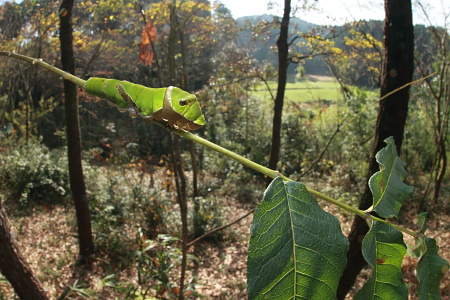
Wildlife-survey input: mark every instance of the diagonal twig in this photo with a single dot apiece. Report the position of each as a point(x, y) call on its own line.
point(219, 228)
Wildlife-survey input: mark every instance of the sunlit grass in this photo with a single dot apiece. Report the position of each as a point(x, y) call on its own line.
point(305, 91)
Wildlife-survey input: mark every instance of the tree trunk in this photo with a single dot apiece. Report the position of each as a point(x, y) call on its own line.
point(14, 266)
point(174, 145)
point(172, 43)
point(283, 47)
point(442, 165)
point(397, 71)
point(77, 184)
point(180, 182)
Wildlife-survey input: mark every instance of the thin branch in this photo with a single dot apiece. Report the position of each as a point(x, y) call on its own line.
point(297, 58)
point(95, 54)
point(247, 162)
point(180, 183)
point(321, 153)
point(219, 228)
point(267, 86)
point(385, 96)
point(44, 65)
point(293, 40)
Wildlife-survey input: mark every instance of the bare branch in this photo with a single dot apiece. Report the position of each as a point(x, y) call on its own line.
point(219, 228)
point(321, 153)
point(297, 58)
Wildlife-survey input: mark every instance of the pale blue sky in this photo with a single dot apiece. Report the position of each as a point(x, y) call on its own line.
point(340, 11)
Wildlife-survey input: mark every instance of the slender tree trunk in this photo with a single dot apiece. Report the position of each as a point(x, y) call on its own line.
point(198, 229)
point(441, 130)
point(172, 42)
point(14, 266)
point(28, 101)
point(174, 144)
point(397, 71)
point(442, 168)
point(442, 116)
point(185, 86)
point(180, 181)
point(77, 183)
point(283, 47)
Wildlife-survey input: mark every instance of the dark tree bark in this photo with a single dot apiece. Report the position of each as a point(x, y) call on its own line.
point(180, 183)
point(283, 48)
point(397, 70)
point(174, 145)
point(77, 183)
point(14, 266)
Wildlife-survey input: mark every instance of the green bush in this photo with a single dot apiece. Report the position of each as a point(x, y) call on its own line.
point(419, 143)
point(34, 174)
point(296, 127)
point(206, 216)
point(156, 259)
point(118, 193)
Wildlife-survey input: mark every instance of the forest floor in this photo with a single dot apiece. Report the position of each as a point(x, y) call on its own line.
point(47, 238)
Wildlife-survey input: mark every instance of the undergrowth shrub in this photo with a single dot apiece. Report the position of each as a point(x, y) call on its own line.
point(353, 118)
point(419, 141)
point(34, 174)
point(250, 192)
point(296, 129)
point(123, 196)
point(206, 216)
point(156, 260)
point(238, 121)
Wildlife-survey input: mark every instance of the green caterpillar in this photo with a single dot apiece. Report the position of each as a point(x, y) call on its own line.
point(178, 108)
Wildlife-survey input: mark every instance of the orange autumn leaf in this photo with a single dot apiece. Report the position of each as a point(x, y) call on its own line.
point(145, 48)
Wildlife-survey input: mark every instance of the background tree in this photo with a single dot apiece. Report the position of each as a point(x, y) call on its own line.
point(283, 55)
point(29, 102)
point(434, 99)
point(288, 54)
point(14, 266)
point(189, 26)
point(74, 136)
point(130, 184)
point(397, 71)
point(359, 63)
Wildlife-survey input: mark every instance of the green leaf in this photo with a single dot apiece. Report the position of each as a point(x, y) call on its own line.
point(297, 250)
point(421, 220)
point(419, 247)
point(430, 269)
point(383, 248)
point(389, 191)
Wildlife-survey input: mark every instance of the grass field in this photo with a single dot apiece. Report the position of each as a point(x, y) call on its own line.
point(324, 89)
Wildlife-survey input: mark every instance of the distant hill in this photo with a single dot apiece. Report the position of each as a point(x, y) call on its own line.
point(263, 46)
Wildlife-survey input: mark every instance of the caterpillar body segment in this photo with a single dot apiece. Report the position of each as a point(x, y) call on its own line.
point(177, 107)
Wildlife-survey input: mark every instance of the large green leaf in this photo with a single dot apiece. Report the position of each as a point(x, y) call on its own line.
point(297, 250)
point(383, 248)
point(430, 270)
point(419, 248)
point(389, 191)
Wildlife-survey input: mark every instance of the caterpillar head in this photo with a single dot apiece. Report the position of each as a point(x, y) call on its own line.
point(181, 109)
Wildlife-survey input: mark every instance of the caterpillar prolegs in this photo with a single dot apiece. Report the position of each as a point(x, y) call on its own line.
point(175, 106)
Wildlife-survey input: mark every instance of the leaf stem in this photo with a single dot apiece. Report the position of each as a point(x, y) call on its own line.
point(273, 174)
point(400, 228)
point(347, 207)
point(195, 138)
point(44, 65)
point(257, 167)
